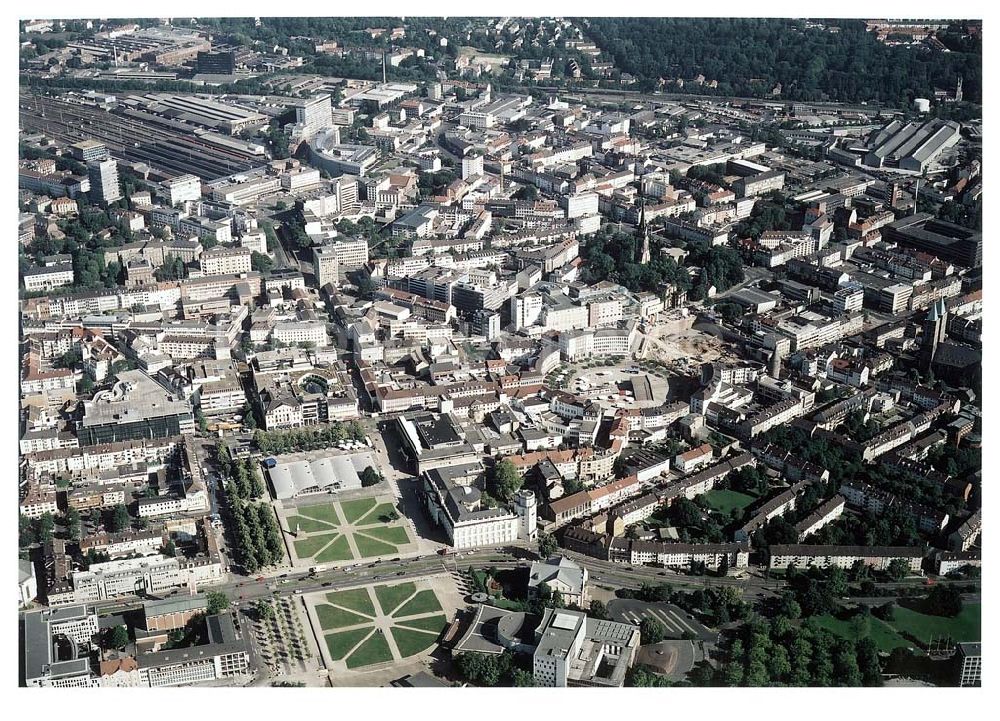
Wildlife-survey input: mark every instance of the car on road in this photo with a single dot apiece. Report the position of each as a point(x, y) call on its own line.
point(401, 573)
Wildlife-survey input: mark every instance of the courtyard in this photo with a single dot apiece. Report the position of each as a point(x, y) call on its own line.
point(374, 625)
point(349, 530)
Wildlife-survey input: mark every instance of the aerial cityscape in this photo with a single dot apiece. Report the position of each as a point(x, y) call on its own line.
point(500, 352)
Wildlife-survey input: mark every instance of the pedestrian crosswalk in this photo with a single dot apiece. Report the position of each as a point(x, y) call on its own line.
point(462, 582)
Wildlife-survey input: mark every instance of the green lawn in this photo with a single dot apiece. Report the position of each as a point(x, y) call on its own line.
point(390, 534)
point(356, 599)
point(881, 633)
point(331, 617)
point(966, 626)
point(374, 515)
point(391, 597)
point(353, 510)
point(308, 547)
point(374, 650)
point(724, 501)
point(339, 550)
point(368, 546)
point(322, 512)
point(433, 624)
point(341, 643)
point(423, 602)
point(410, 642)
point(305, 524)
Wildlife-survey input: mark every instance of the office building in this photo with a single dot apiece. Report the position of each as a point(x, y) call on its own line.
point(472, 165)
point(225, 655)
point(88, 151)
point(313, 115)
point(948, 241)
point(182, 188)
point(350, 254)
point(59, 665)
point(574, 650)
point(326, 265)
point(970, 664)
point(103, 175)
point(221, 260)
point(137, 407)
point(218, 63)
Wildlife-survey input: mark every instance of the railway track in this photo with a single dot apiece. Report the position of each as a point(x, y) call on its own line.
point(167, 149)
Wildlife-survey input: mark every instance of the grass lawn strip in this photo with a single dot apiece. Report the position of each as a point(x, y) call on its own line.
point(391, 597)
point(353, 510)
point(423, 602)
point(431, 624)
point(356, 599)
point(305, 524)
point(339, 550)
point(340, 644)
point(309, 547)
point(374, 650)
point(322, 512)
point(966, 626)
point(390, 534)
point(373, 516)
point(368, 546)
point(331, 617)
point(410, 642)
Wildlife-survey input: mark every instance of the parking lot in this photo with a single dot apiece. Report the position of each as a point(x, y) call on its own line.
point(677, 623)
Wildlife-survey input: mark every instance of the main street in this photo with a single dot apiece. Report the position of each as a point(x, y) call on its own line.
point(243, 591)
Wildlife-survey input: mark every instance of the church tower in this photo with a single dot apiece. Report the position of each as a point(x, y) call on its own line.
point(935, 329)
point(643, 256)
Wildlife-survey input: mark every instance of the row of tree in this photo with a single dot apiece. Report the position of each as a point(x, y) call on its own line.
point(781, 653)
point(308, 439)
point(257, 538)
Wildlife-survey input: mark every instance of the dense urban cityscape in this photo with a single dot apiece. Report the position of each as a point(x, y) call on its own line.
point(500, 351)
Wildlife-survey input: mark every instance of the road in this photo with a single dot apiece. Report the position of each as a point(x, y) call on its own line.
point(242, 590)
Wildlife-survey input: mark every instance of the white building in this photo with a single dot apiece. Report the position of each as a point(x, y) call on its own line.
point(326, 265)
point(255, 241)
point(221, 260)
point(27, 584)
point(294, 332)
point(472, 165)
point(878, 557)
point(103, 175)
point(562, 575)
point(47, 277)
point(574, 650)
point(182, 188)
point(313, 115)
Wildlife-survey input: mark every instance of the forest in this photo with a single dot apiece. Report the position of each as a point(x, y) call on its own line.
point(750, 56)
